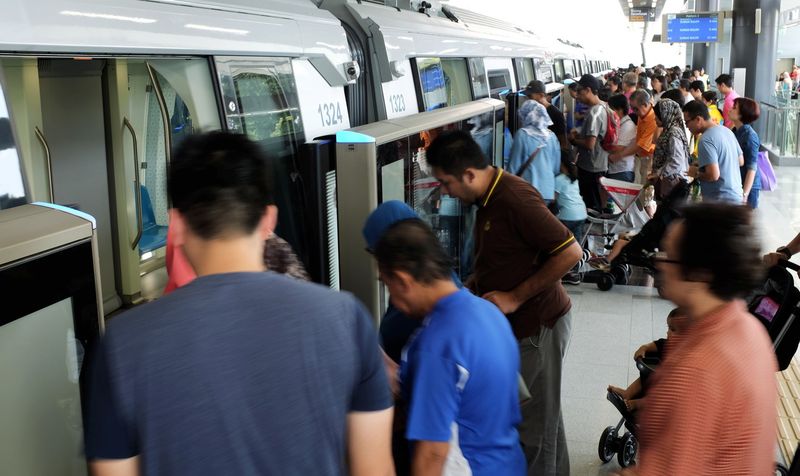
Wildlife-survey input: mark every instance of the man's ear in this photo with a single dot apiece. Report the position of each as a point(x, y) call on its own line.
point(177, 227)
point(269, 219)
point(399, 279)
point(469, 176)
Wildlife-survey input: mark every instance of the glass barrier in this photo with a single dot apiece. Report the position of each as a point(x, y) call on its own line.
point(12, 178)
point(781, 126)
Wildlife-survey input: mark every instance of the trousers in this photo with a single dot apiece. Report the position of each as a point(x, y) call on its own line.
point(542, 429)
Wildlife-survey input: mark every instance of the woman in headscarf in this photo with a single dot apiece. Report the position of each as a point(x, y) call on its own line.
point(534, 137)
point(671, 156)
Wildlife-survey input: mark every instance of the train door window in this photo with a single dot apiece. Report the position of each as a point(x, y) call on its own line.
point(480, 83)
point(569, 68)
point(456, 79)
point(559, 67)
point(525, 71)
point(431, 84)
point(12, 178)
point(261, 101)
point(544, 72)
point(579, 68)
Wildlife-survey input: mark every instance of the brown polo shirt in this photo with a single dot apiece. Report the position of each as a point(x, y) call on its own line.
point(515, 233)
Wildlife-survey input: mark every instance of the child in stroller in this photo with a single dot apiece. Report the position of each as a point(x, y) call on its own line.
point(628, 401)
point(639, 249)
point(650, 354)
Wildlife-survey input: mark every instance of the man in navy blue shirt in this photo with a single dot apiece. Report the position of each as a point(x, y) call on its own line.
point(459, 372)
point(241, 371)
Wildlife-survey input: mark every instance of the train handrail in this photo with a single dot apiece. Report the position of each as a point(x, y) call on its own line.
point(48, 161)
point(136, 182)
point(162, 106)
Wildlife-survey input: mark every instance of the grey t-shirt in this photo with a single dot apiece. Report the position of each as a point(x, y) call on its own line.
point(240, 373)
point(594, 125)
point(718, 145)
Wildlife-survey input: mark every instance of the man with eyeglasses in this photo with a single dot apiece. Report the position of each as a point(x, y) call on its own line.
point(713, 399)
point(646, 127)
point(719, 156)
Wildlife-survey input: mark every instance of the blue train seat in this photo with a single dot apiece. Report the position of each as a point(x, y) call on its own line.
point(154, 236)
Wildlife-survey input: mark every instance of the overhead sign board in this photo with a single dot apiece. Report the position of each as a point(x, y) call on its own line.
point(698, 27)
point(642, 14)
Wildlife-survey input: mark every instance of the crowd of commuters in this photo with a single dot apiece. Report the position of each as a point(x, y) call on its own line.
point(242, 371)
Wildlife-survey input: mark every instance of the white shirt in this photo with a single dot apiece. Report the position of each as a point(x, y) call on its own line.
point(626, 135)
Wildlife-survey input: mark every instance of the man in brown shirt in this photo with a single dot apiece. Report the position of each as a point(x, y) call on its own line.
point(521, 253)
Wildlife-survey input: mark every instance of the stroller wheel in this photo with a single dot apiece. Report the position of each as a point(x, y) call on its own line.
point(605, 450)
point(605, 282)
point(620, 275)
point(627, 452)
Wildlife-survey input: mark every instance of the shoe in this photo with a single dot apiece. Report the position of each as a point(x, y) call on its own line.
point(571, 278)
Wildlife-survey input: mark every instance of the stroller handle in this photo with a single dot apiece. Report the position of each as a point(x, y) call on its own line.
point(785, 263)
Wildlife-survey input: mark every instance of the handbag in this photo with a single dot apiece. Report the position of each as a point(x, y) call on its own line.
point(528, 162)
point(769, 182)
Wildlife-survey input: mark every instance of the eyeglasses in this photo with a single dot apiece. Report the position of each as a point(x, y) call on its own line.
point(661, 257)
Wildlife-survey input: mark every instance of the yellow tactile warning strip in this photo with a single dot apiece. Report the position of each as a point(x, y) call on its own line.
point(789, 410)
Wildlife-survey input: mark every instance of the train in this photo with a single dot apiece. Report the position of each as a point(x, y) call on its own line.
point(99, 92)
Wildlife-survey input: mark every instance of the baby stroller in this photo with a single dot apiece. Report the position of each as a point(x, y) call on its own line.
point(625, 445)
point(642, 246)
point(777, 305)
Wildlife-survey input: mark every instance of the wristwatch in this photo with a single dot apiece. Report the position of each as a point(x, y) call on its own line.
point(784, 251)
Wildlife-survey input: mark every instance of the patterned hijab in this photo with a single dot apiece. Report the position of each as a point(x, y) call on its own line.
point(535, 120)
point(671, 117)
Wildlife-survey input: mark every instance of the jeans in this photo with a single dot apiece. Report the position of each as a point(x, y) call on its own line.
point(542, 429)
point(576, 227)
point(752, 199)
point(628, 176)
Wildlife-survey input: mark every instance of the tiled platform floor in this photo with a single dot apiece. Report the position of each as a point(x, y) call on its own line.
point(609, 326)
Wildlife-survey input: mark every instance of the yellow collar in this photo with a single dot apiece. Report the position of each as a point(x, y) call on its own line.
point(494, 185)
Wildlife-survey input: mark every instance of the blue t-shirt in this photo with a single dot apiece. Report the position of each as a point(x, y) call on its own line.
point(570, 202)
point(240, 373)
point(749, 142)
point(719, 146)
point(459, 375)
point(543, 169)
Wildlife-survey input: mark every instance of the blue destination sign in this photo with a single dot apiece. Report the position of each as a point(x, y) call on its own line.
point(692, 27)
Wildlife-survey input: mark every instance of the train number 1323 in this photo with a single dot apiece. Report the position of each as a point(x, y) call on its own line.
point(397, 102)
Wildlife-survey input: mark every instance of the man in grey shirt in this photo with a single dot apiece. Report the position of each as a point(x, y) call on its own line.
point(592, 158)
point(719, 157)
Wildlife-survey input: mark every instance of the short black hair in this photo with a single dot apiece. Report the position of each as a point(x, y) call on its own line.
point(220, 182)
point(720, 241)
point(686, 75)
point(411, 246)
point(685, 84)
point(695, 109)
point(697, 85)
point(749, 110)
point(618, 102)
point(675, 95)
point(710, 95)
point(725, 79)
point(454, 152)
point(616, 80)
point(604, 93)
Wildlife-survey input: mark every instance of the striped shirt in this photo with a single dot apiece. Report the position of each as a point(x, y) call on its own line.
point(711, 407)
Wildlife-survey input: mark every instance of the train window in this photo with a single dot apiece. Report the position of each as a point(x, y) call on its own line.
point(569, 68)
point(544, 72)
point(480, 83)
point(12, 182)
point(559, 67)
point(431, 83)
point(525, 70)
point(260, 99)
point(456, 78)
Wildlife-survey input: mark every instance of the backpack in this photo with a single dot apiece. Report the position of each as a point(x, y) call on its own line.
point(612, 128)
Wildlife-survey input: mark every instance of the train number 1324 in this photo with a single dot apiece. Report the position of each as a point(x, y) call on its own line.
point(330, 114)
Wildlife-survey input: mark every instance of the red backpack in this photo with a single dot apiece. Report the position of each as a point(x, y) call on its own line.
point(612, 126)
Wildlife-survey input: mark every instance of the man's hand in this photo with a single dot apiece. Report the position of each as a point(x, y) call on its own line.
point(771, 259)
point(506, 302)
point(391, 373)
point(693, 171)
